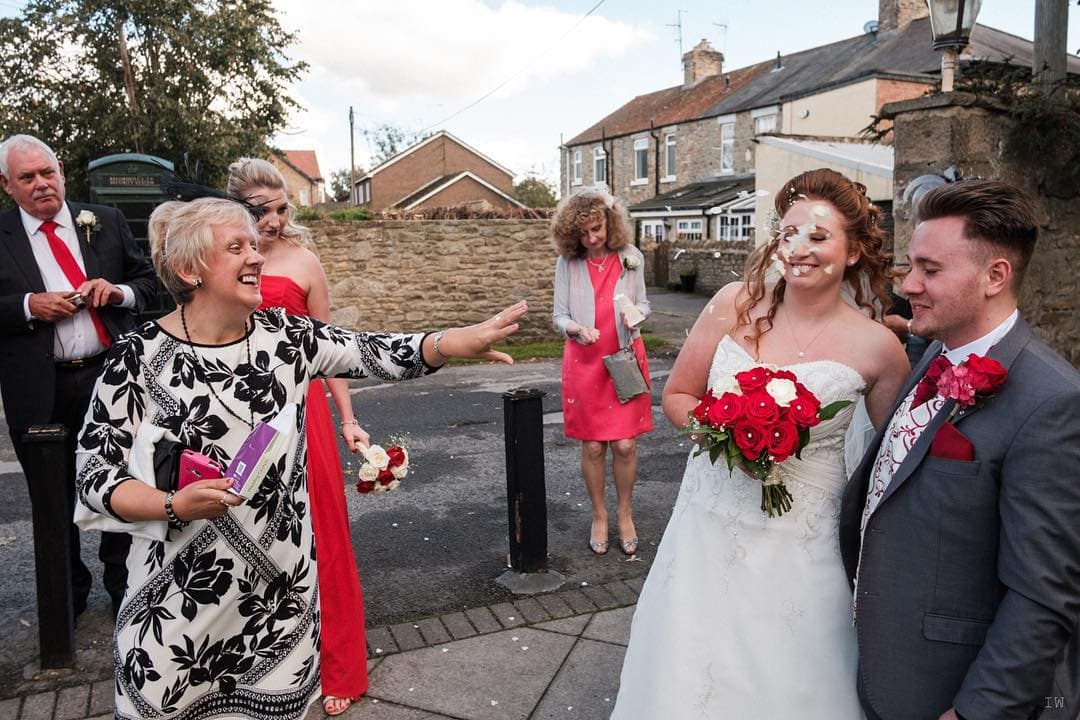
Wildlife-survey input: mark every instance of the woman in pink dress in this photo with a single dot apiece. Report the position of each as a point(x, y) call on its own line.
point(599, 279)
point(294, 279)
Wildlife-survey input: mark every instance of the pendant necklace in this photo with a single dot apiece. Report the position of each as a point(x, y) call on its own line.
point(803, 348)
point(600, 265)
point(247, 343)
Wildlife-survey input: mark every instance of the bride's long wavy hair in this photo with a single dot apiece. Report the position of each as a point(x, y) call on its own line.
point(870, 277)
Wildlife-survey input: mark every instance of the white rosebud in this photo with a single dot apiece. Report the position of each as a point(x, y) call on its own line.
point(85, 218)
point(727, 384)
point(782, 391)
point(377, 456)
point(400, 471)
point(368, 472)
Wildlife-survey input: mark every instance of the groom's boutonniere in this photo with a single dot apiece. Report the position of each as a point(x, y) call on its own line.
point(630, 264)
point(88, 222)
point(970, 384)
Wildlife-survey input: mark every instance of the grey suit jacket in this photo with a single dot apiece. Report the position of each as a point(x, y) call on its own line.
point(27, 374)
point(969, 589)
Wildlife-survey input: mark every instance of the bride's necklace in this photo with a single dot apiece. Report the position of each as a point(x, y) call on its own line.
point(803, 348)
point(247, 343)
point(599, 265)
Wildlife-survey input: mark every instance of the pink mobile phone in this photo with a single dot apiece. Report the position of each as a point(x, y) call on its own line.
point(196, 466)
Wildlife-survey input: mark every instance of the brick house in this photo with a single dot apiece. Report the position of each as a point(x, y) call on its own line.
point(709, 129)
point(303, 178)
point(438, 171)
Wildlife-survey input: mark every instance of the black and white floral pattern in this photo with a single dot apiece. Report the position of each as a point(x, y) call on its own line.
point(221, 619)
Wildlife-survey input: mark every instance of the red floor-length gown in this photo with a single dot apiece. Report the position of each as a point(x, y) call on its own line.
point(344, 655)
point(591, 409)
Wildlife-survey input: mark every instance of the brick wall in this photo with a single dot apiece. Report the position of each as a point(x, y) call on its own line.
point(414, 275)
point(466, 191)
point(441, 156)
point(295, 182)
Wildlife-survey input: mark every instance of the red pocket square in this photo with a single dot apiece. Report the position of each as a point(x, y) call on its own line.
point(950, 443)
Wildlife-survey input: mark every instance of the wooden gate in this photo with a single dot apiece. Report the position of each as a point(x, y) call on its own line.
point(660, 265)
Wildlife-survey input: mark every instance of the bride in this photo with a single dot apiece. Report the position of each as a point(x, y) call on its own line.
point(743, 615)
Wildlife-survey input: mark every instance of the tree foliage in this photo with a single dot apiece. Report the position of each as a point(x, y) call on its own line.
point(535, 192)
point(386, 140)
point(339, 183)
point(164, 77)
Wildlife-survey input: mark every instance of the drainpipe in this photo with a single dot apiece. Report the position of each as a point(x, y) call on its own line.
point(656, 154)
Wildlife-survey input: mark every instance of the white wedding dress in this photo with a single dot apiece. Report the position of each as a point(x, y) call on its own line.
point(744, 616)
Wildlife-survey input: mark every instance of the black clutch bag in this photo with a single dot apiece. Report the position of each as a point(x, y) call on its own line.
point(167, 464)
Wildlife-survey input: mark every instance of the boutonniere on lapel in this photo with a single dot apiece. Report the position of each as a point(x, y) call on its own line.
point(630, 264)
point(88, 222)
point(970, 384)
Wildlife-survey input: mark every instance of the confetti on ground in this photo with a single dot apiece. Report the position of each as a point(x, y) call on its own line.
point(524, 647)
point(494, 703)
point(7, 539)
point(515, 638)
point(378, 651)
point(583, 583)
point(446, 649)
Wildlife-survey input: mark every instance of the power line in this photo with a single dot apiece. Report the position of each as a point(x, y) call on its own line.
point(528, 65)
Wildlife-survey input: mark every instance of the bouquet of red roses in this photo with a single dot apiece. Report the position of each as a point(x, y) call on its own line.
point(760, 421)
point(382, 470)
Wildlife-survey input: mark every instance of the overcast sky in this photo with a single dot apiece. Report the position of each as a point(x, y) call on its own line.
point(418, 63)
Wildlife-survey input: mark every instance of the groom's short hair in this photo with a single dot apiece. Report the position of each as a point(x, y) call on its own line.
point(998, 217)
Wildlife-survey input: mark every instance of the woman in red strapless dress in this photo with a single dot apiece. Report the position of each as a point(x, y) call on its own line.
point(293, 278)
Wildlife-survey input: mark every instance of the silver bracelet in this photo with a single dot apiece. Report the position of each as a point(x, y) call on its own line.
point(435, 346)
point(174, 521)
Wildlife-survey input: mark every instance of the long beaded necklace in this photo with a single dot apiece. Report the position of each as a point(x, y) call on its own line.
point(600, 265)
point(247, 343)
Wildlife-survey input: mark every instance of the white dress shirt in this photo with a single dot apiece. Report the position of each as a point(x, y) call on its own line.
point(73, 337)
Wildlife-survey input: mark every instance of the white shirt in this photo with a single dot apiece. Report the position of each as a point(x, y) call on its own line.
point(73, 337)
point(982, 345)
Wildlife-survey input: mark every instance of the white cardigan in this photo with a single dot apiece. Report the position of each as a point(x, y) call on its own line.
point(574, 302)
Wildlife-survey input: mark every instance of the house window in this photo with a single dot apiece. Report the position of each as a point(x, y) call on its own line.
point(727, 148)
point(641, 161)
point(577, 167)
point(599, 163)
point(688, 229)
point(653, 229)
point(746, 231)
point(669, 156)
point(765, 124)
point(305, 198)
point(736, 226)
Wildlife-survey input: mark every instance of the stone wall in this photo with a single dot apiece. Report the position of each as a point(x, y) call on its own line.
point(940, 130)
point(713, 263)
point(413, 275)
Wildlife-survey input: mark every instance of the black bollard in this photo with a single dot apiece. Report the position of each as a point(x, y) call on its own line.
point(526, 497)
point(46, 470)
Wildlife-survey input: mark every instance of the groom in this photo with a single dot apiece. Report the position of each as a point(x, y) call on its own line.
point(961, 528)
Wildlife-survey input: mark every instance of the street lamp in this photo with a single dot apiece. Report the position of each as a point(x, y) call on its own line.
point(951, 22)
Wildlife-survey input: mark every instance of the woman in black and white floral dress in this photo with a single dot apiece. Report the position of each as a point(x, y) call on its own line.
point(221, 618)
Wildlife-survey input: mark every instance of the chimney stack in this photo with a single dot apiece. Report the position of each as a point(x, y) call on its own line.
point(700, 63)
point(895, 14)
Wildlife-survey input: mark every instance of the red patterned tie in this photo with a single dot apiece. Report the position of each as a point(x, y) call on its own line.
point(74, 274)
point(927, 387)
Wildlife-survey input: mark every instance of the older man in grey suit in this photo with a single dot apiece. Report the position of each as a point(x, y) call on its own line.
point(960, 530)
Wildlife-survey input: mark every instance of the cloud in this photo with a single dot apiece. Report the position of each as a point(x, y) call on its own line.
point(447, 51)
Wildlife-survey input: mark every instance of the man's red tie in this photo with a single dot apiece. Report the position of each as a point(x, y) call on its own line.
point(74, 274)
